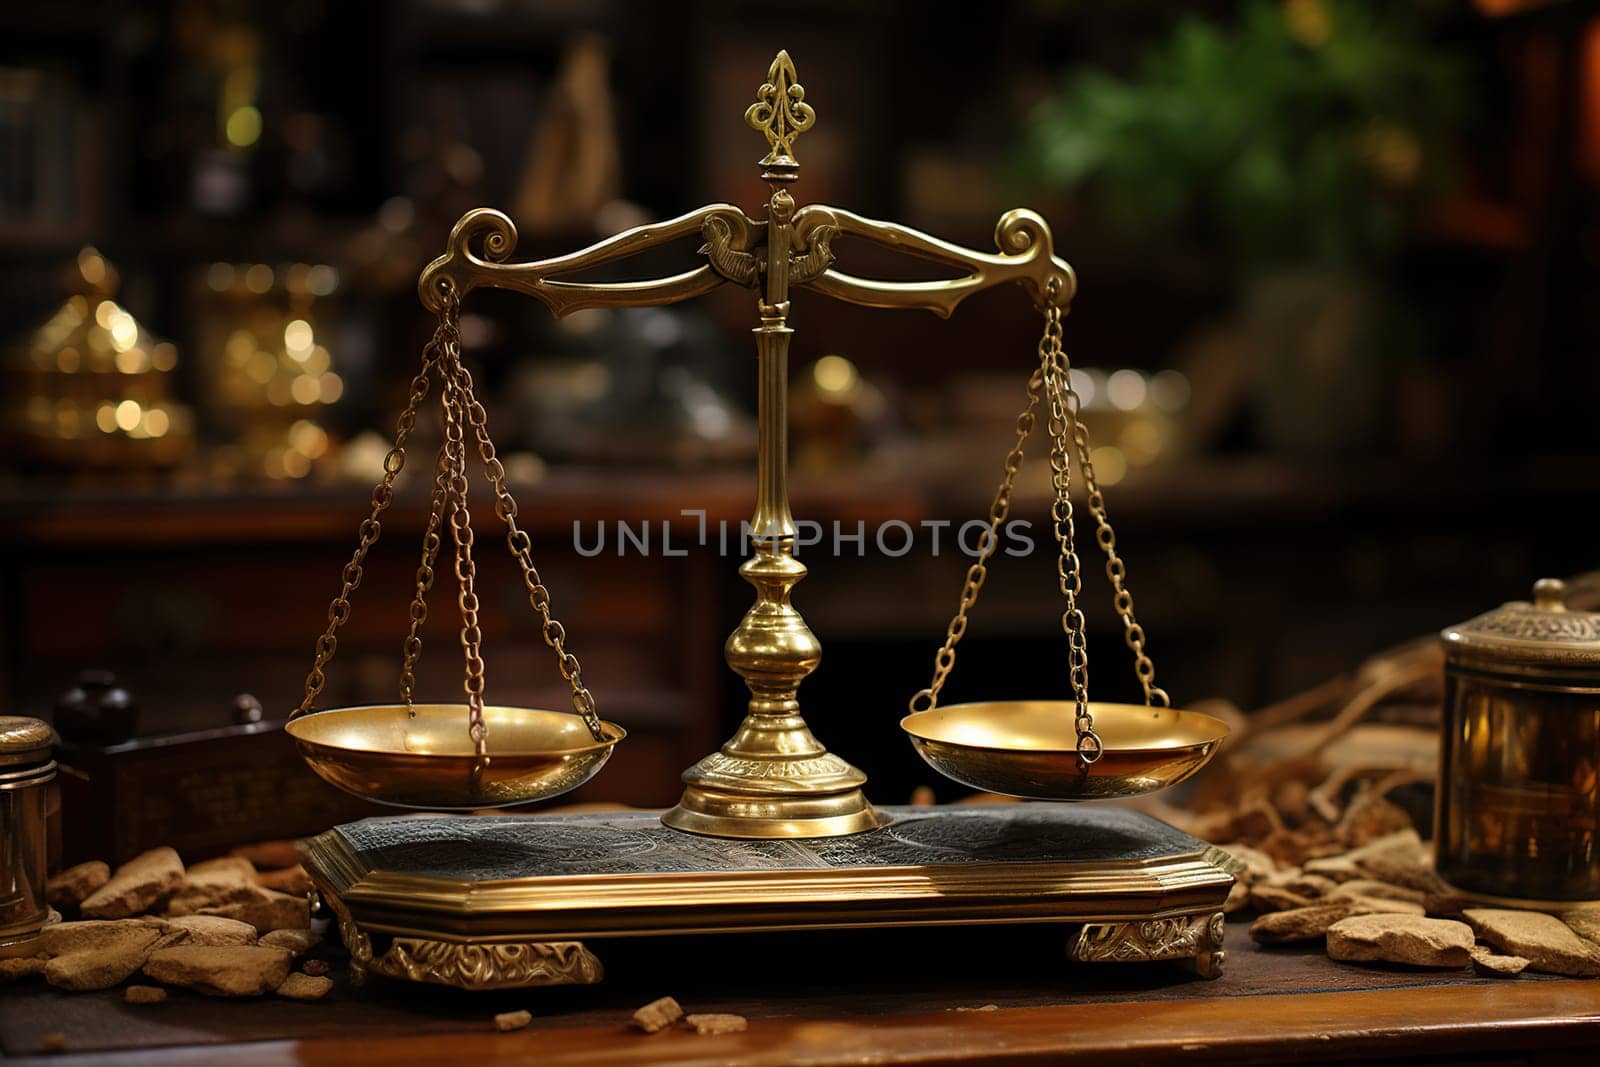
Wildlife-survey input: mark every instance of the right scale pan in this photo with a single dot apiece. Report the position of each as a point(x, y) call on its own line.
point(1029, 748)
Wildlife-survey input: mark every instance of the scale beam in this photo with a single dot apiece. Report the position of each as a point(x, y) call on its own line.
point(773, 779)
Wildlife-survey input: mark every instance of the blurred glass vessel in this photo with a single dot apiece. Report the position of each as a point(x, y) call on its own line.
point(1518, 798)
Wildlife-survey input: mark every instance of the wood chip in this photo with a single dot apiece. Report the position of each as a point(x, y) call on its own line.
point(511, 1020)
point(144, 994)
point(1407, 939)
point(716, 1023)
point(657, 1015)
point(136, 887)
point(1298, 924)
point(1545, 941)
point(308, 987)
point(72, 886)
point(1486, 961)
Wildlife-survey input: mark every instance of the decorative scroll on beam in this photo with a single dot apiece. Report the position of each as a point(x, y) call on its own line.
point(1026, 256)
point(484, 239)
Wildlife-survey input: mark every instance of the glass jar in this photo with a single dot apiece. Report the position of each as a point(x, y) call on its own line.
point(26, 770)
point(1518, 799)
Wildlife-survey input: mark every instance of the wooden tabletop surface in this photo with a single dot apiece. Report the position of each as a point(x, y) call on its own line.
point(991, 998)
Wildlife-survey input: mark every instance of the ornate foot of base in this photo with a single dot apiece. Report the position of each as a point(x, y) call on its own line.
point(1179, 937)
point(495, 965)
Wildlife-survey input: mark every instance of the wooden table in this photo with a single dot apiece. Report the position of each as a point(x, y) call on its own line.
point(996, 998)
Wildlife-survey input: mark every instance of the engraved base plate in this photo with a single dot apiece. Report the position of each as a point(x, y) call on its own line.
point(484, 902)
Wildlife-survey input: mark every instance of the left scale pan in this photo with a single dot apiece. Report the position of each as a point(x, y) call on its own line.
point(423, 757)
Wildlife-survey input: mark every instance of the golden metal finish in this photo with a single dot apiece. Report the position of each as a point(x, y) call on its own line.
point(396, 755)
point(1029, 748)
point(774, 779)
point(423, 757)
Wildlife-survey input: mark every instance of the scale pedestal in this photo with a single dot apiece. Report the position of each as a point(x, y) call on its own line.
point(516, 901)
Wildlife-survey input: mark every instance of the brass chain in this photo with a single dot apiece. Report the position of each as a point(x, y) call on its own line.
point(521, 546)
point(1053, 363)
point(927, 699)
point(371, 529)
point(412, 649)
point(460, 518)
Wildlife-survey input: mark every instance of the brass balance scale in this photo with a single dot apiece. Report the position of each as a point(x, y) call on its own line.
point(773, 832)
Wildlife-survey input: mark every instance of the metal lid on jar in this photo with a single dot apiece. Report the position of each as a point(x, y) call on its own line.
point(24, 741)
point(1524, 637)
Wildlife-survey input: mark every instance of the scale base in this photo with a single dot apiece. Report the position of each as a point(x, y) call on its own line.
point(520, 901)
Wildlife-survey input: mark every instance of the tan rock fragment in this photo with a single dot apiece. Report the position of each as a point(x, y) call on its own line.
point(266, 910)
point(315, 968)
point(1545, 941)
point(657, 1015)
point(194, 898)
point(268, 855)
point(1296, 880)
point(305, 987)
point(144, 994)
point(72, 886)
point(1584, 921)
point(298, 942)
point(1487, 961)
point(136, 887)
point(1360, 904)
point(19, 967)
point(288, 880)
point(511, 1020)
point(224, 870)
point(221, 970)
point(1333, 868)
point(1372, 817)
point(1298, 924)
point(1367, 887)
point(212, 930)
point(1409, 874)
point(1265, 898)
point(1404, 846)
point(1408, 939)
point(716, 1023)
point(96, 954)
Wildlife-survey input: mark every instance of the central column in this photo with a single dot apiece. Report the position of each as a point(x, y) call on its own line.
point(773, 778)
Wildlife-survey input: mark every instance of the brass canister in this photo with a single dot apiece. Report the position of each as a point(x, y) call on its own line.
point(1518, 799)
point(26, 770)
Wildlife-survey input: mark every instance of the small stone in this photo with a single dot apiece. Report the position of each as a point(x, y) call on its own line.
point(136, 887)
point(1410, 874)
point(1298, 924)
point(1372, 817)
point(1448, 904)
point(1545, 941)
point(1364, 903)
point(72, 886)
point(268, 855)
point(144, 994)
point(1404, 846)
point(1584, 921)
point(315, 968)
point(1265, 898)
point(1257, 864)
point(657, 1015)
point(19, 967)
point(305, 987)
point(1367, 887)
point(298, 942)
point(221, 970)
point(97, 954)
point(292, 880)
point(1487, 961)
point(1334, 868)
point(716, 1023)
point(512, 1020)
point(1408, 939)
point(266, 910)
point(213, 930)
point(1298, 881)
point(224, 870)
point(194, 898)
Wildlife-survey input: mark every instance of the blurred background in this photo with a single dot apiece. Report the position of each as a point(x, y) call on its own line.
point(1336, 338)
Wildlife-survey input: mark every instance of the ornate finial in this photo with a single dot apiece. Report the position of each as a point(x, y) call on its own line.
point(780, 112)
